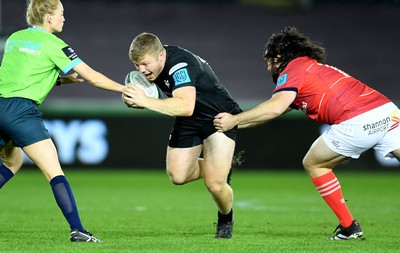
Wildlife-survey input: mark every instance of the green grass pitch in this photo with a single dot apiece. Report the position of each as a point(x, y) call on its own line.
point(141, 211)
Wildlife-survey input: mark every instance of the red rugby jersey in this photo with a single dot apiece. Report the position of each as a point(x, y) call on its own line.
point(325, 93)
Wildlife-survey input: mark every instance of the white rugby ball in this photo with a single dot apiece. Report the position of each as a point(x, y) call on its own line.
point(150, 89)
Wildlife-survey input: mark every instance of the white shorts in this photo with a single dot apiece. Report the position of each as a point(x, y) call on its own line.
point(378, 129)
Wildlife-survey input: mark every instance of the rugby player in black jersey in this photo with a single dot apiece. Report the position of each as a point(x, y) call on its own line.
point(194, 95)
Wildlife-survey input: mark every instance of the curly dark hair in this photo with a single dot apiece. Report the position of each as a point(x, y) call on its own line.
point(289, 44)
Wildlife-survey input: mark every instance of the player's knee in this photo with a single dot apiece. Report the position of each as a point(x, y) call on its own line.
point(308, 165)
point(396, 153)
point(215, 187)
point(176, 179)
point(13, 162)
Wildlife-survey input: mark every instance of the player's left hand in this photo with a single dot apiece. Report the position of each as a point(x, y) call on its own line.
point(73, 78)
point(224, 121)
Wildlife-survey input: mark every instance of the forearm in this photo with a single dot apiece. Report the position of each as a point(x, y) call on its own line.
point(101, 81)
point(170, 106)
point(250, 125)
point(261, 122)
point(97, 79)
point(259, 115)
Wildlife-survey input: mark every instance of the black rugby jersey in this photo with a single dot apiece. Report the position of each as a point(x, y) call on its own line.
point(183, 68)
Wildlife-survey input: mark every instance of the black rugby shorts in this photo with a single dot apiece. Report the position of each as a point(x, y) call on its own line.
point(189, 133)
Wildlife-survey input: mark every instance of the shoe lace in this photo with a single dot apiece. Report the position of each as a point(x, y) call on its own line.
point(92, 238)
point(87, 233)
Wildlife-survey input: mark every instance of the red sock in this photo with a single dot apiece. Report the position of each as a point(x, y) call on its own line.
point(329, 188)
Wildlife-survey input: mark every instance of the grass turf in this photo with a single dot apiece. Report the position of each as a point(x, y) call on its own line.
point(141, 211)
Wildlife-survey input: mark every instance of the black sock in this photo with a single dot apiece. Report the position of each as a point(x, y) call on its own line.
point(224, 218)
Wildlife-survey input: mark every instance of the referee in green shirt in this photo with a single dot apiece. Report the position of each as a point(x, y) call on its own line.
point(32, 61)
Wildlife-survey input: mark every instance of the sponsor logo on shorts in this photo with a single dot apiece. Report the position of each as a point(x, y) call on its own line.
point(336, 143)
point(395, 120)
point(384, 125)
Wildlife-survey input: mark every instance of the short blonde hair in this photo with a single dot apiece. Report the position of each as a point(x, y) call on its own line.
point(37, 9)
point(144, 44)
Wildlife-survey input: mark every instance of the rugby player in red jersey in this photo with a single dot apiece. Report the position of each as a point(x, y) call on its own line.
point(361, 118)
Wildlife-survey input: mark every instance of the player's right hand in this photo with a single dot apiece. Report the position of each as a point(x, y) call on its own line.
point(224, 121)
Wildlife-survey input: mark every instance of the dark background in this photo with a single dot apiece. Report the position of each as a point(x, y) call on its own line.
point(141, 142)
point(362, 38)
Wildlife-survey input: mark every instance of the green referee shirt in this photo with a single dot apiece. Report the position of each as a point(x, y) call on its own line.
point(32, 61)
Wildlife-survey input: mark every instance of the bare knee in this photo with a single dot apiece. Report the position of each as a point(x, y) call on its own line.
point(180, 175)
point(315, 169)
point(14, 165)
point(308, 165)
point(396, 153)
point(12, 159)
point(215, 187)
point(177, 178)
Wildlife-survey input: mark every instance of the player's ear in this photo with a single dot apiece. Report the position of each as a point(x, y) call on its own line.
point(162, 55)
point(277, 58)
point(277, 61)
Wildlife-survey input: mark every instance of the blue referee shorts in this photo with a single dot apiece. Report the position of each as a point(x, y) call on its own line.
point(21, 122)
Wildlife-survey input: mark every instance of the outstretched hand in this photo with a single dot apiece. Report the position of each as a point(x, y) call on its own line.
point(224, 121)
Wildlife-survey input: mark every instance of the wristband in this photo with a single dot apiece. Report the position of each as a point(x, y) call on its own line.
point(58, 81)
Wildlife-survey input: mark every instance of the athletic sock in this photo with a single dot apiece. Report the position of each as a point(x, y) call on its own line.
point(66, 201)
point(224, 218)
point(329, 188)
point(5, 175)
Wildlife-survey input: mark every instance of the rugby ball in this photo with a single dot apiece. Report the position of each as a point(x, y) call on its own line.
point(150, 89)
